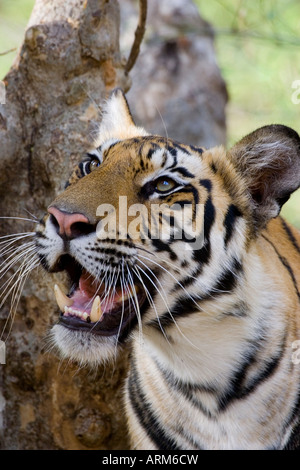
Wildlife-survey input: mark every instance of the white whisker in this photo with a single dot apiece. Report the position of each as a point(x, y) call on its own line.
point(7, 285)
point(163, 123)
point(17, 236)
point(13, 259)
point(151, 302)
point(173, 277)
point(122, 313)
point(32, 215)
point(165, 301)
point(135, 304)
point(28, 264)
point(172, 265)
point(21, 218)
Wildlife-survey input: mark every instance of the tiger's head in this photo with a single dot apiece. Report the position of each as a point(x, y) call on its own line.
point(147, 227)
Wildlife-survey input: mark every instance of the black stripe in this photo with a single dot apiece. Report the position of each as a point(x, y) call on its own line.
point(145, 415)
point(190, 279)
point(228, 280)
point(238, 389)
point(239, 310)
point(81, 166)
point(290, 234)
point(187, 390)
point(180, 234)
point(183, 171)
point(187, 305)
point(184, 306)
point(286, 265)
point(42, 221)
point(225, 283)
point(209, 217)
point(171, 220)
point(294, 420)
point(196, 149)
point(203, 255)
point(229, 222)
point(180, 203)
point(142, 165)
point(40, 234)
point(161, 246)
point(179, 146)
point(207, 184)
point(44, 262)
point(164, 159)
point(186, 190)
point(214, 168)
point(173, 152)
point(152, 150)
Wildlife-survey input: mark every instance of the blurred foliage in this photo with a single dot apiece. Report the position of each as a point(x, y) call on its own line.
point(258, 49)
point(14, 15)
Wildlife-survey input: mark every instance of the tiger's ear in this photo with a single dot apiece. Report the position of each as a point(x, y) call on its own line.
point(269, 159)
point(117, 121)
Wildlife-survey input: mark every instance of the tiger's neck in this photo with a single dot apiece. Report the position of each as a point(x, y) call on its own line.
point(228, 363)
point(216, 337)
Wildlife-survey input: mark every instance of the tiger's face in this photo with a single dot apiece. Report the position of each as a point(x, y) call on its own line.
point(142, 223)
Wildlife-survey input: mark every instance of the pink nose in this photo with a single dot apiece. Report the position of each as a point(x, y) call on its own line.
point(69, 225)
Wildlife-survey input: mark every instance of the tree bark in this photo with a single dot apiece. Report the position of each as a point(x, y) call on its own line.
point(68, 63)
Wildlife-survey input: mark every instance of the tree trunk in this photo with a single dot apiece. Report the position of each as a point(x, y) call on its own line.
point(68, 63)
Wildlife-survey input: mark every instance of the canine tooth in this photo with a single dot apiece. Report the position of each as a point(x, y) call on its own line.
point(61, 298)
point(96, 312)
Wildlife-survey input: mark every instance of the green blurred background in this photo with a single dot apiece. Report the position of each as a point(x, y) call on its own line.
point(258, 51)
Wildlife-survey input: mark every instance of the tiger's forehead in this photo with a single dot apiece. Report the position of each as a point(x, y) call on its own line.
point(152, 152)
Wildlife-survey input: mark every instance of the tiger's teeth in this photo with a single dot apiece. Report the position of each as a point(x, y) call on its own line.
point(61, 298)
point(96, 312)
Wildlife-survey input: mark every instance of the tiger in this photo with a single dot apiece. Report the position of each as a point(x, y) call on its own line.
point(212, 315)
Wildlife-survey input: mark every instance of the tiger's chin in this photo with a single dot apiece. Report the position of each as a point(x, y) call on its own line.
point(92, 343)
point(83, 347)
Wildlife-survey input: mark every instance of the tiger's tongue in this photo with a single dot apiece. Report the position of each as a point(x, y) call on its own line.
point(88, 285)
point(86, 292)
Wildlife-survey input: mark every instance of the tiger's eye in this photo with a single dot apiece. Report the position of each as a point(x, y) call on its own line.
point(94, 164)
point(164, 184)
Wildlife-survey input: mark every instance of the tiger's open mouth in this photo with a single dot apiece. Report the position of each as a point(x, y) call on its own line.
point(102, 307)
